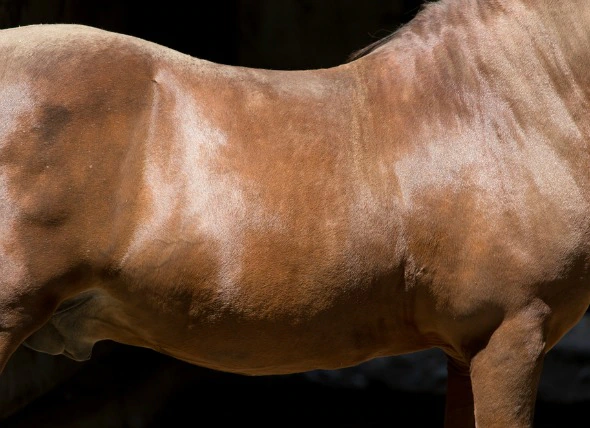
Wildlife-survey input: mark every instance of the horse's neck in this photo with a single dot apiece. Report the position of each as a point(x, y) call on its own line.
point(564, 34)
point(569, 15)
point(505, 35)
point(457, 56)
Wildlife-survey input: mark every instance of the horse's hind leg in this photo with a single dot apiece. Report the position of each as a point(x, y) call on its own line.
point(505, 374)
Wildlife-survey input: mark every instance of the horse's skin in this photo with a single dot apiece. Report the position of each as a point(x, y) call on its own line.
point(433, 192)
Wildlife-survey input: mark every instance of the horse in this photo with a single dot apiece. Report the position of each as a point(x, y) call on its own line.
point(431, 192)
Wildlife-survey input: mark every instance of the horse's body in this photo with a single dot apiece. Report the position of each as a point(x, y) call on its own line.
point(432, 193)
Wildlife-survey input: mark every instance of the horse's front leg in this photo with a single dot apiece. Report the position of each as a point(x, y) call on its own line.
point(505, 373)
point(459, 396)
point(23, 310)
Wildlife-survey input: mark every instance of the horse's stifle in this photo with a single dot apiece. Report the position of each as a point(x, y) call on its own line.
point(434, 191)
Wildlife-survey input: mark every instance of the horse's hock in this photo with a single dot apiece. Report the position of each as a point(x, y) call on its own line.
point(431, 193)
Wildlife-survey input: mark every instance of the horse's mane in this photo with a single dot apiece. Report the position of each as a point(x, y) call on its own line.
point(429, 16)
point(370, 48)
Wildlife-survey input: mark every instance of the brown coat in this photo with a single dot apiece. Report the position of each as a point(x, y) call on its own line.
point(431, 193)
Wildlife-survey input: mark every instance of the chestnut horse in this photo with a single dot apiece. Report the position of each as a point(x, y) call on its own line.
point(434, 191)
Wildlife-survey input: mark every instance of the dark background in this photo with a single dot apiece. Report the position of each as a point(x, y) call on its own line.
point(131, 387)
point(285, 34)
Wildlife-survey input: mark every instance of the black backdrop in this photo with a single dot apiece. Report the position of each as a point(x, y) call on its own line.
point(283, 34)
point(132, 387)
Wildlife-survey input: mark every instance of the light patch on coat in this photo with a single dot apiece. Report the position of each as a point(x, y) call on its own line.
point(192, 200)
point(15, 101)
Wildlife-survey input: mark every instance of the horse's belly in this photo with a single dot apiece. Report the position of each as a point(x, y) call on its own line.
point(263, 311)
point(291, 341)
